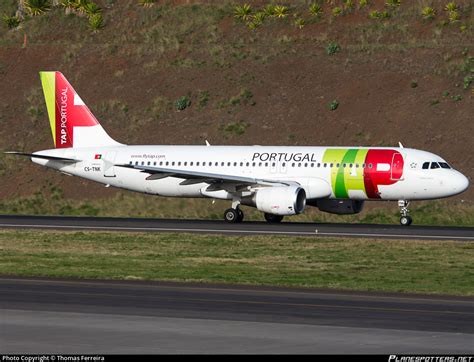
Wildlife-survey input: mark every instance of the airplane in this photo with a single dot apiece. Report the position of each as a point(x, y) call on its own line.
point(277, 180)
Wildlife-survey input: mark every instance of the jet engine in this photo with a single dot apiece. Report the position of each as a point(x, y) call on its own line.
point(281, 200)
point(340, 207)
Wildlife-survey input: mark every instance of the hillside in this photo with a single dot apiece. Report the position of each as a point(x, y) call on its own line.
point(395, 78)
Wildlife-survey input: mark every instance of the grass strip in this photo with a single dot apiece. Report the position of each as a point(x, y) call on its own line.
point(441, 267)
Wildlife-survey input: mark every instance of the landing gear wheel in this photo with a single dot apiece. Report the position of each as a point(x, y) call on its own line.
point(406, 220)
point(273, 219)
point(232, 215)
point(240, 216)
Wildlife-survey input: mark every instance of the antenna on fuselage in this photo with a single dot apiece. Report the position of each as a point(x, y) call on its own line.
point(400, 145)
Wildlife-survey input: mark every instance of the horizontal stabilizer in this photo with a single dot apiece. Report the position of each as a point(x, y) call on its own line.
point(45, 157)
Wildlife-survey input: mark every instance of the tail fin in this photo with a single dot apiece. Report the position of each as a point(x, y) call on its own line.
point(72, 123)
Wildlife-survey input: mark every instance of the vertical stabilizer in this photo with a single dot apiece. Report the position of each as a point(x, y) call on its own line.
point(72, 123)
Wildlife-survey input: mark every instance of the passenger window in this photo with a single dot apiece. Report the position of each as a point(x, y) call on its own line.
point(235, 163)
point(228, 164)
point(331, 165)
point(216, 164)
point(241, 164)
point(325, 164)
point(179, 163)
point(197, 163)
point(191, 163)
point(434, 165)
point(266, 164)
point(222, 163)
point(273, 164)
point(247, 164)
point(172, 163)
point(370, 165)
point(253, 164)
point(299, 164)
point(426, 166)
point(185, 163)
point(293, 164)
point(305, 165)
point(259, 164)
point(130, 163)
point(363, 165)
point(283, 164)
point(337, 165)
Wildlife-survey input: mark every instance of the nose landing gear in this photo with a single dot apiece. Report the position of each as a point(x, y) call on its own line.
point(405, 219)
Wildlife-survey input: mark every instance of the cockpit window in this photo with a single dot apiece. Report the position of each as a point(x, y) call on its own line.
point(426, 165)
point(444, 165)
point(434, 165)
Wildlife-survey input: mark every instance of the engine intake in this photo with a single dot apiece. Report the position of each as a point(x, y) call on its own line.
point(282, 200)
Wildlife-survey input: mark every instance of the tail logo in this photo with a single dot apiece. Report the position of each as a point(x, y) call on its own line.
point(63, 114)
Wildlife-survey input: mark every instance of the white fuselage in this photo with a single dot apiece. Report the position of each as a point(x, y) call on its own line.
point(309, 167)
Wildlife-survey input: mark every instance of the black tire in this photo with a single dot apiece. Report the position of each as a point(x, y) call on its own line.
point(231, 216)
point(273, 219)
point(406, 220)
point(240, 217)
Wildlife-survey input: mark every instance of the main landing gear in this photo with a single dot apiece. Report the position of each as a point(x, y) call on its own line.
point(234, 214)
point(405, 219)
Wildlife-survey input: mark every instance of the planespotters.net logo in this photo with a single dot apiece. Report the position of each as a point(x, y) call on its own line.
point(397, 358)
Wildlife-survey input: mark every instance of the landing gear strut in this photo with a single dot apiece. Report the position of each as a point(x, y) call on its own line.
point(405, 219)
point(234, 214)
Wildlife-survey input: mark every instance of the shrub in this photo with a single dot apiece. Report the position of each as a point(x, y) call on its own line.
point(237, 128)
point(454, 16)
point(428, 13)
point(280, 11)
point(243, 12)
point(336, 11)
point(348, 5)
point(182, 103)
point(11, 21)
point(375, 14)
point(393, 3)
point(451, 6)
point(92, 9)
point(269, 10)
point(315, 9)
point(414, 84)
point(96, 22)
point(146, 3)
point(203, 99)
point(37, 7)
point(363, 3)
point(333, 48)
point(457, 98)
point(333, 105)
point(259, 17)
point(467, 81)
point(299, 23)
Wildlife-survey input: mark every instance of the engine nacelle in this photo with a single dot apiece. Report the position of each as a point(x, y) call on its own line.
point(282, 200)
point(340, 207)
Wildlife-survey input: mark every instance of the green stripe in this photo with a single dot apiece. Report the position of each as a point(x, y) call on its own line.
point(341, 190)
point(48, 80)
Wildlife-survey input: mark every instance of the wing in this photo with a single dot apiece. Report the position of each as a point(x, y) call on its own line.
point(191, 177)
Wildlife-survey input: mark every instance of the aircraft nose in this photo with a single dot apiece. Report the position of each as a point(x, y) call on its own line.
point(459, 182)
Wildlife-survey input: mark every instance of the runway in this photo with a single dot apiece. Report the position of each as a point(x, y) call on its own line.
point(70, 316)
point(246, 228)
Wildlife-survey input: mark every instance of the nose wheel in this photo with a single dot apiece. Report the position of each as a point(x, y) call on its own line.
point(405, 218)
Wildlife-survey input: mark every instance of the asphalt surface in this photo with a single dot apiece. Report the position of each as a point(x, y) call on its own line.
point(68, 316)
point(246, 228)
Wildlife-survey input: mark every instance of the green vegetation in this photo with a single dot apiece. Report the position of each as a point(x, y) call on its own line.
point(147, 3)
point(182, 103)
point(428, 13)
point(96, 22)
point(11, 22)
point(333, 105)
point(236, 128)
point(243, 12)
point(442, 267)
point(37, 7)
point(333, 48)
point(280, 11)
point(315, 9)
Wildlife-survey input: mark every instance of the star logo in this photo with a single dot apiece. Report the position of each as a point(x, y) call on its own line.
point(413, 165)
